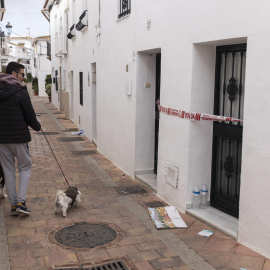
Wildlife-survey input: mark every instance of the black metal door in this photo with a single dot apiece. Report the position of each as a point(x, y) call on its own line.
point(158, 73)
point(227, 136)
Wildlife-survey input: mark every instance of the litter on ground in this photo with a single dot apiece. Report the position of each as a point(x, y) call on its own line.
point(206, 233)
point(80, 132)
point(166, 217)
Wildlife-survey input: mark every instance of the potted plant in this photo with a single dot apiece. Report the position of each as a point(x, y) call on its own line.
point(49, 91)
point(28, 80)
point(48, 86)
point(35, 85)
point(36, 89)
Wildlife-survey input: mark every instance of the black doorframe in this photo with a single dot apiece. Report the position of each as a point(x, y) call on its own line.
point(157, 99)
point(227, 137)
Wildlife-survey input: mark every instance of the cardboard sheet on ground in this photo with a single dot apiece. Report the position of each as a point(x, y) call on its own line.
point(166, 217)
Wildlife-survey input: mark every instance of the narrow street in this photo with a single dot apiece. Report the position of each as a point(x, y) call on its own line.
point(138, 244)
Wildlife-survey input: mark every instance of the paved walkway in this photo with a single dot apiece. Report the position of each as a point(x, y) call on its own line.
point(26, 239)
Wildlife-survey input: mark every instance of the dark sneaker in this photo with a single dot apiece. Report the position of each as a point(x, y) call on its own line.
point(21, 208)
point(13, 210)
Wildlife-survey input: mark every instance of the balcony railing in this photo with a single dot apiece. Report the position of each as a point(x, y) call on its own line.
point(83, 23)
point(71, 34)
point(125, 8)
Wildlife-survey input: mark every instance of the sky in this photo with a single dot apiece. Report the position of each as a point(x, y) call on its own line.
point(23, 14)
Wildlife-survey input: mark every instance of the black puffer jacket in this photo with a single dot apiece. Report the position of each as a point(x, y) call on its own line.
point(16, 114)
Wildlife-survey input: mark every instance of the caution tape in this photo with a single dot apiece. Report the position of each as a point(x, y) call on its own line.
point(196, 116)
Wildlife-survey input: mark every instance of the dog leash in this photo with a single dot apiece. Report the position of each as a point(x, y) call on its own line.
point(55, 157)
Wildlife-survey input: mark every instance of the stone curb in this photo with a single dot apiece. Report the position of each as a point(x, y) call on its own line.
point(4, 254)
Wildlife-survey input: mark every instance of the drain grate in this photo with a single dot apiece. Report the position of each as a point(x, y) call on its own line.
point(47, 133)
point(117, 265)
point(125, 190)
point(84, 153)
point(71, 139)
point(85, 235)
point(154, 204)
point(62, 118)
point(70, 129)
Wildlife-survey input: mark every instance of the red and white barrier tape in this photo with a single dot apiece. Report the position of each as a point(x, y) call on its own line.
point(196, 116)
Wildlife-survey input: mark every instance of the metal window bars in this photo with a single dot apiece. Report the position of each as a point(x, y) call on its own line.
point(125, 8)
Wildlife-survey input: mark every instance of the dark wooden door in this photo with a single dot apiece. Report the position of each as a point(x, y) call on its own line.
point(158, 74)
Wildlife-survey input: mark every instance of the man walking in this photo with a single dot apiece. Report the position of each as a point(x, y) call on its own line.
point(16, 114)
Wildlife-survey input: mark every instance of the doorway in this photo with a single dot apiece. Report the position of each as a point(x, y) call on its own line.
point(227, 136)
point(157, 100)
point(94, 103)
point(71, 96)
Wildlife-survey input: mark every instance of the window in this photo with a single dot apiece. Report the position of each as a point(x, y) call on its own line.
point(124, 8)
point(81, 87)
point(2, 4)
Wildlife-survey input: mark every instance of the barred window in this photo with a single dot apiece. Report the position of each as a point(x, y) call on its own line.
point(124, 8)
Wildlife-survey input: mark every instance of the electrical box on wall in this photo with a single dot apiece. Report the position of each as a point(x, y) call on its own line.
point(171, 175)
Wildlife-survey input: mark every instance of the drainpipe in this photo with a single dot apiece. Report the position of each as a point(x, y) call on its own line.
point(99, 15)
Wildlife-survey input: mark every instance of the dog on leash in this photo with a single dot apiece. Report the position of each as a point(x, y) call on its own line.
point(2, 183)
point(63, 199)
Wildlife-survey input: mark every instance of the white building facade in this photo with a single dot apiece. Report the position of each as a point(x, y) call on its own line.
point(42, 64)
point(123, 58)
point(20, 50)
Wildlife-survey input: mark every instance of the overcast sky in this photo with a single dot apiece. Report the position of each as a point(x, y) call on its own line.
point(23, 14)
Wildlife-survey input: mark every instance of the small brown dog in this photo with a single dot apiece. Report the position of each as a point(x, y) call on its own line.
point(63, 199)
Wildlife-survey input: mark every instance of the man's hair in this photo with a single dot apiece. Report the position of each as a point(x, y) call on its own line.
point(13, 66)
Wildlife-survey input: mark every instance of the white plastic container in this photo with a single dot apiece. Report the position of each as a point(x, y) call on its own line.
point(204, 194)
point(196, 197)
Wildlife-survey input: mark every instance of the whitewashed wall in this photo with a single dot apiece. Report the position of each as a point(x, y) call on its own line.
point(43, 65)
point(186, 34)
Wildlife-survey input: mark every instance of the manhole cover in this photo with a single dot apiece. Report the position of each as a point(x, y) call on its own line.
point(48, 133)
point(85, 235)
point(71, 139)
point(124, 190)
point(84, 153)
point(117, 265)
point(154, 204)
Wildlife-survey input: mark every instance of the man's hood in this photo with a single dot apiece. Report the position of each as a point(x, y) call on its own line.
point(9, 85)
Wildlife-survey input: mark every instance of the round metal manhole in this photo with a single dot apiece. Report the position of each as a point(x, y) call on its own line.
point(85, 235)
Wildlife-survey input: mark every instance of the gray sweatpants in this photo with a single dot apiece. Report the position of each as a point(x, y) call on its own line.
point(8, 152)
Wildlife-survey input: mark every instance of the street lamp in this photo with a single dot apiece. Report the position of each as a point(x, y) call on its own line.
point(2, 36)
point(9, 28)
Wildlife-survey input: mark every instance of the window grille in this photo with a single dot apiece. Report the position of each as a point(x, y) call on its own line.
point(125, 8)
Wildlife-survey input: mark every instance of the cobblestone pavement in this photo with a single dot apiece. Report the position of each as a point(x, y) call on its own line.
point(138, 244)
